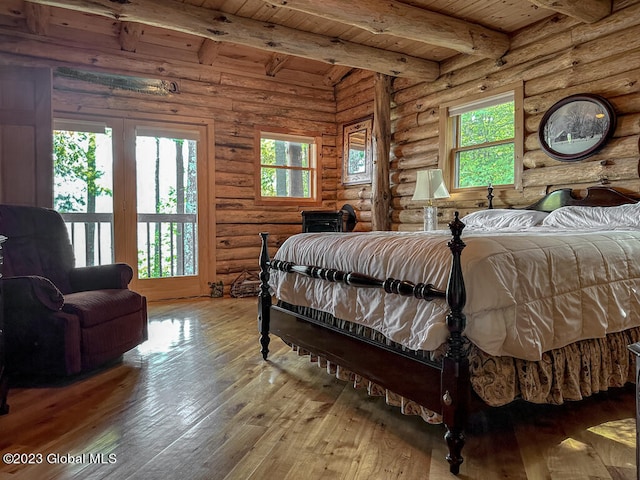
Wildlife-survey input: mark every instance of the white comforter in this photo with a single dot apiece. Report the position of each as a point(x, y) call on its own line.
point(527, 292)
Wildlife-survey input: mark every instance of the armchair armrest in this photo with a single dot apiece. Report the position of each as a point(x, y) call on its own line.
point(30, 292)
point(99, 277)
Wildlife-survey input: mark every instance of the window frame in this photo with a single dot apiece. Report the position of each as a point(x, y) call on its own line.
point(315, 165)
point(449, 145)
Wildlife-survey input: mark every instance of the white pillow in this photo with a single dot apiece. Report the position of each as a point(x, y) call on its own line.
point(503, 218)
point(621, 216)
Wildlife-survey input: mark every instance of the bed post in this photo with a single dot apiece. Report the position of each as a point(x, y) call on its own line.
point(264, 299)
point(455, 385)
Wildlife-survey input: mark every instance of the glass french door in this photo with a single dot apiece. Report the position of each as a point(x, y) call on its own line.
point(83, 187)
point(169, 230)
point(130, 191)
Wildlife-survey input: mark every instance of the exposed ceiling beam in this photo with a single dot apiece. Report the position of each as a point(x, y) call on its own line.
point(208, 51)
point(275, 64)
point(401, 20)
point(337, 73)
point(130, 34)
point(219, 26)
point(588, 11)
point(37, 17)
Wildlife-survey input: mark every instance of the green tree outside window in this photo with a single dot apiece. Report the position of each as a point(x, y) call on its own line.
point(485, 146)
point(285, 168)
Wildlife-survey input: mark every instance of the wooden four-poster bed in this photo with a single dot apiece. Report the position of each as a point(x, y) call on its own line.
point(448, 379)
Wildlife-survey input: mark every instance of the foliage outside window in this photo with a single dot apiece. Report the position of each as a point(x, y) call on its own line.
point(76, 173)
point(83, 187)
point(166, 206)
point(288, 168)
point(484, 135)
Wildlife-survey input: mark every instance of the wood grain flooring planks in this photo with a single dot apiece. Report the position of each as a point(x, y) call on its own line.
point(198, 402)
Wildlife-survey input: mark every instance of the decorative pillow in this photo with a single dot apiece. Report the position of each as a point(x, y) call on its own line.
point(621, 216)
point(502, 218)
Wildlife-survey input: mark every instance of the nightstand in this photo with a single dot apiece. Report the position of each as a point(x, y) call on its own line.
point(322, 221)
point(343, 220)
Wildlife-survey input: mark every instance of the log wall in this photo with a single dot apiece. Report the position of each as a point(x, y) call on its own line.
point(553, 59)
point(231, 98)
point(354, 100)
point(556, 58)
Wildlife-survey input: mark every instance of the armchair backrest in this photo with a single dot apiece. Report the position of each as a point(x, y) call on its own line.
point(37, 244)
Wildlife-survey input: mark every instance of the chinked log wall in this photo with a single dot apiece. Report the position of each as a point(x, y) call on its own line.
point(554, 59)
point(234, 102)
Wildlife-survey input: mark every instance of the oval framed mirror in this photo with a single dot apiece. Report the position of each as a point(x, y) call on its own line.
point(576, 127)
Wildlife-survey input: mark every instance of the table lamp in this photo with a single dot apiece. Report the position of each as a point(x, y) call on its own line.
point(430, 185)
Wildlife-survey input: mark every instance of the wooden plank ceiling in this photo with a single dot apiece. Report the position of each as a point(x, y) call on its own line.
point(407, 38)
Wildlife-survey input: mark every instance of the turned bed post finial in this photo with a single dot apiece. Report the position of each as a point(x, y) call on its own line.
point(455, 365)
point(264, 300)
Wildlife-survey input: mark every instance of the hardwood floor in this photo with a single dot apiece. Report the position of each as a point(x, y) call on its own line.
point(198, 402)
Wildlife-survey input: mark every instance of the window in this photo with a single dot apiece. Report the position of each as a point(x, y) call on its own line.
point(483, 141)
point(288, 168)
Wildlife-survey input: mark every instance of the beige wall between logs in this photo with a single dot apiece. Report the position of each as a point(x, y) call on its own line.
point(554, 59)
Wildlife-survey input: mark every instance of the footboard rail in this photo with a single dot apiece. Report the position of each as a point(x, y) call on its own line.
point(425, 291)
point(455, 385)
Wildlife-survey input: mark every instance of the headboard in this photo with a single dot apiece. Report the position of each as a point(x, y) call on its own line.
point(596, 197)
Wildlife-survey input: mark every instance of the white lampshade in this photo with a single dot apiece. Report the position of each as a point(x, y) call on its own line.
point(430, 185)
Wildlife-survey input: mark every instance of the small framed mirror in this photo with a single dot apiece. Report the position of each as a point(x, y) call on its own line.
point(576, 127)
point(356, 153)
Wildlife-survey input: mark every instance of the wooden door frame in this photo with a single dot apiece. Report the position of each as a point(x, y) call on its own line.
point(171, 287)
point(124, 200)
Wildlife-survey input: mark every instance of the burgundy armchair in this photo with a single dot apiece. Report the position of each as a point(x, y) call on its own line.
point(59, 319)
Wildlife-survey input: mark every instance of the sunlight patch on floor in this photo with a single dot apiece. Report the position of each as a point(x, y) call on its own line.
point(573, 458)
point(622, 431)
point(166, 334)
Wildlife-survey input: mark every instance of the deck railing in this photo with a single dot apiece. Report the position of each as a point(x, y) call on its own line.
point(167, 242)
point(178, 242)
